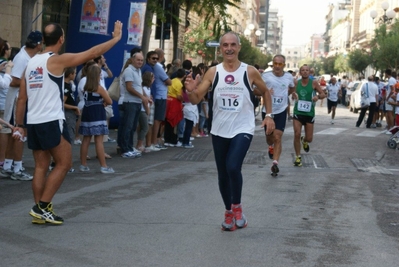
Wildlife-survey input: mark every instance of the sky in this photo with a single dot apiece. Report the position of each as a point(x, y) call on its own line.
point(302, 19)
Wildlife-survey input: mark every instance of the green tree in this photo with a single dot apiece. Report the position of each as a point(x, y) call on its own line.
point(341, 63)
point(213, 12)
point(329, 65)
point(306, 61)
point(195, 42)
point(358, 60)
point(252, 55)
point(384, 47)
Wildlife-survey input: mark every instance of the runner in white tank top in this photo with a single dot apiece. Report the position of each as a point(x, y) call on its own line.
point(281, 85)
point(45, 91)
point(231, 113)
point(232, 106)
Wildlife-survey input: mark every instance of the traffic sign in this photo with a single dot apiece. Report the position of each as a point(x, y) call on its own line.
point(212, 43)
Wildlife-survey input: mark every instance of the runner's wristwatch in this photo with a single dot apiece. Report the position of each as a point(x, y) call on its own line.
point(269, 115)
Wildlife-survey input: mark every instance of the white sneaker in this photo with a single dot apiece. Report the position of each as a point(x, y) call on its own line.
point(332, 121)
point(388, 132)
point(179, 144)
point(136, 153)
point(127, 155)
point(77, 142)
point(169, 144)
point(188, 146)
point(22, 176)
point(84, 168)
point(153, 148)
point(106, 170)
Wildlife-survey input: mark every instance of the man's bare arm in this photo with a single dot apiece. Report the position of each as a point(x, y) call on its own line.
point(58, 63)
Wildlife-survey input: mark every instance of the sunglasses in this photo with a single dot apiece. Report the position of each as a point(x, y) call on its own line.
point(154, 58)
point(278, 64)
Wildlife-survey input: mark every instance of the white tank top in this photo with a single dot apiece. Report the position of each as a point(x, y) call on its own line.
point(232, 108)
point(45, 92)
point(280, 86)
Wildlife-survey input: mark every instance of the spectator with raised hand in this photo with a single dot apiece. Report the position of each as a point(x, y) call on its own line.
point(42, 97)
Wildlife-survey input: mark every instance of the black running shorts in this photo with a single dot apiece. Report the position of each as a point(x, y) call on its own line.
point(303, 119)
point(45, 136)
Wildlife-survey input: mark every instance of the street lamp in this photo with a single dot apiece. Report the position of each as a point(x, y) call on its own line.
point(387, 17)
point(248, 32)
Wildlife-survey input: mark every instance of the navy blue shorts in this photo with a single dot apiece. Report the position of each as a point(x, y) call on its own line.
point(45, 136)
point(279, 120)
point(160, 109)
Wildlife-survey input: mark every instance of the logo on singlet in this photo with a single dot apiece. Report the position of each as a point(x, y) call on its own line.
point(36, 74)
point(229, 79)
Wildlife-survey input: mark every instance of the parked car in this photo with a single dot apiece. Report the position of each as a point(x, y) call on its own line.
point(355, 96)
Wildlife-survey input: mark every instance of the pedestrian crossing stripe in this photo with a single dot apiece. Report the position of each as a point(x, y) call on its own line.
point(332, 131)
point(369, 133)
point(329, 131)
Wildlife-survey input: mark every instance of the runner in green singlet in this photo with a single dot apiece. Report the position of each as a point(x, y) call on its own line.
point(307, 92)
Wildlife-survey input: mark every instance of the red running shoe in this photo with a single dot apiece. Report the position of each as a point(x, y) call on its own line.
point(241, 220)
point(229, 221)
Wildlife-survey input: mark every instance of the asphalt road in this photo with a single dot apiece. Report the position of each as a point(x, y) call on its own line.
point(341, 208)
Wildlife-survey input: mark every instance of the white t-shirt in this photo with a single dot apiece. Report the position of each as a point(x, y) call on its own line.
point(5, 80)
point(372, 91)
point(333, 90)
point(391, 82)
point(280, 86)
point(103, 76)
point(147, 92)
point(81, 91)
point(20, 62)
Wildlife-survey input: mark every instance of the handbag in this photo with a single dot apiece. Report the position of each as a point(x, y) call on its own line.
point(365, 100)
point(114, 90)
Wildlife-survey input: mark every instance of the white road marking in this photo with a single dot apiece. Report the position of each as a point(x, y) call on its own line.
point(332, 131)
point(369, 133)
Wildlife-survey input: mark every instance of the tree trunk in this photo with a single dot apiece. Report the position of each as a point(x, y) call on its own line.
point(175, 29)
point(145, 44)
point(27, 16)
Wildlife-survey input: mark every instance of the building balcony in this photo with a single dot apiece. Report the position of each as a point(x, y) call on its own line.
point(358, 37)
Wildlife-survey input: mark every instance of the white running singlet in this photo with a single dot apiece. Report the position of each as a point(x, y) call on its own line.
point(45, 92)
point(280, 86)
point(233, 109)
